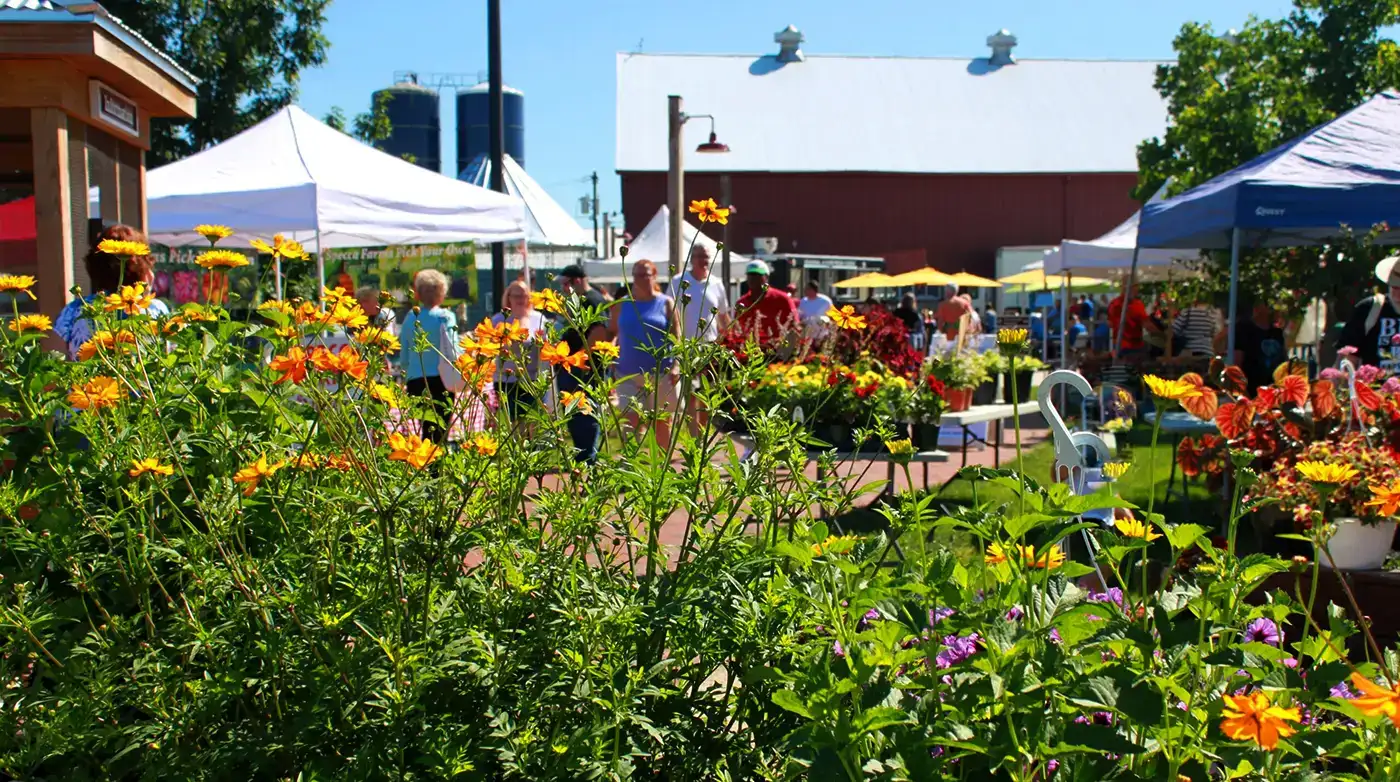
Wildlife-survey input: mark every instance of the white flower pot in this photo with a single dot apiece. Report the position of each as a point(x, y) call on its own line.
point(1358, 546)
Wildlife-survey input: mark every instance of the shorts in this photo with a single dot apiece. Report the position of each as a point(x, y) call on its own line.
point(633, 391)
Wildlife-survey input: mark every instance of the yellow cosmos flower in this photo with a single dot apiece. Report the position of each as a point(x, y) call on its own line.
point(484, 349)
point(149, 466)
point(336, 295)
point(253, 474)
point(846, 318)
point(707, 211)
point(119, 247)
point(577, 400)
point(484, 444)
point(25, 323)
point(375, 337)
point(106, 342)
point(1115, 470)
point(1133, 528)
point(213, 232)
point(904, 447)
point(835, 544)
point(221, 259)
point(17, 283)
point(605, 352)
point(281, 247)
point(413, 450)
point(287, 332)
point(197, 314)
point(547, 301)
point(276, 305)
point(97, 393)
point(1376, 700)
point(1012, 338)
point(386, 394)
point(1251, 717)
point(1171, 390)
point(1322, 472)
point(995, 554)
point(131, 299)
point(1027, 555)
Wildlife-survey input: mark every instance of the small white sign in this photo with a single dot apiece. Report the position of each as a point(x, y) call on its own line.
point(115, 109)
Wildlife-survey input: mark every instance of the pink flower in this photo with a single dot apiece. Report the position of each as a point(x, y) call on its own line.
point(1391, 385)
point(1346, 351)
point(1370, 373)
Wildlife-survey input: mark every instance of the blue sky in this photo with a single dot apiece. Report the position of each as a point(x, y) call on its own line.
point(562, 54)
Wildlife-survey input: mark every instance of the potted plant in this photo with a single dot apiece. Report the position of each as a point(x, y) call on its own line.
point(1357, 499)
point(986, 392)
point(1026, 367)
point(924, 411)
point(960, 373)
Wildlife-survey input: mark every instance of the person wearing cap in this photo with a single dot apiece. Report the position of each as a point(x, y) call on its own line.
point(574, 280)
point(764, 310)
point(1375, 321)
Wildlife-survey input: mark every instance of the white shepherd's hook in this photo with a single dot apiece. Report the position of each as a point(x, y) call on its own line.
point(1353, 406)
point(1069, 454)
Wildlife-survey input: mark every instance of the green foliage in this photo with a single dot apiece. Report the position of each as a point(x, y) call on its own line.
point(1231, 97)
point(369, 126)
point(248, 55)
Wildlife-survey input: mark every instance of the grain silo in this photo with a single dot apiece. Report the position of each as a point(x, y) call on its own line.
point(474, 123)
point(417, 123)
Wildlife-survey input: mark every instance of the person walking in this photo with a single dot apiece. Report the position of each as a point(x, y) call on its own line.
point(908, 314)
point(704, 314)
point(763, 310)
point(1375, 322)
point(812, 309)
point(420, 368)
point(955, 305)
point(523, 361)
point(379, 316)
point(1194, 329)
point(643, 324)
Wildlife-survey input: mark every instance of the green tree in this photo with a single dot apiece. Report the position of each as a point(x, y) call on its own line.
point(1232, 97)
point(368, 126)
point(248, 55)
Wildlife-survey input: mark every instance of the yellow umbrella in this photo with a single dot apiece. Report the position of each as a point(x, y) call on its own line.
point(867, 280)
point(925, 276)
point(965, 280)
point(1037, 278)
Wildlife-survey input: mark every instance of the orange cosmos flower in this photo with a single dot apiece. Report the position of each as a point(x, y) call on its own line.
point(336, 295)
point(607, 352)
point(577, 400)
point(512, 332)
point(707, 211)
point(547, 301)
point(1376, 700)
point(291, 364)
point(106, 342)
point(97, 393)
point(307, 313)
point(486, 331)
point(375, 337)
point(558, 354)
point(131, 299)
point(345, 361)
point(475, 375)
point(281, 247)
point(1251, 717)
point(253, 474)
point(484, 444)
point(846, 318)
point(1386, 498)
point(412, 450)
point(150, 465)
point(485, 349)
point(348, 314)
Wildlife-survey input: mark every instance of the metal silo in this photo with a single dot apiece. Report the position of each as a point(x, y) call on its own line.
point(417, 123)
point(474, 118)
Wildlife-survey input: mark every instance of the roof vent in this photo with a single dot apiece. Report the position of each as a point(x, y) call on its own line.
point(1002, 42)
point(789, 39)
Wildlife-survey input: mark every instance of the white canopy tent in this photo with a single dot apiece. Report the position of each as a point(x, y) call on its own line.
point(1114, 252)
point(547, 224)
point(293, 175)
point(653, 243)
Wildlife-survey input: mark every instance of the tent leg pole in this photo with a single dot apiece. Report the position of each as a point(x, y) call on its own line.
point(1234, 295)
point(277, 277)
point(1127, 290)
point(320, 267)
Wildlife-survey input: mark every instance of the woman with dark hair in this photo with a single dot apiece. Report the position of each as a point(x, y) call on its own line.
point(108, 273)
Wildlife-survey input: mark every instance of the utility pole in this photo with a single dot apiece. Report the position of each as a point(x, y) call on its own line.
point(595, 212)
point(498, 137)
point(675, 185)
point(606, 250)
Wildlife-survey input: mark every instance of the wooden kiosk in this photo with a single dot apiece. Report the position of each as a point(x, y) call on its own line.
point(77, 91)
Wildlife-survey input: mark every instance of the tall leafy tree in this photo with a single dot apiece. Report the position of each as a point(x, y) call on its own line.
point(248, 55)
point(370, 126)
point(1233, 96)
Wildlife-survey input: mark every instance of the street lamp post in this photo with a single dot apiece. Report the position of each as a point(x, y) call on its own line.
point(675, 173)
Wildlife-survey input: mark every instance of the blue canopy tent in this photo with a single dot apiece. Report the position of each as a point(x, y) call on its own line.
point(1346, 171)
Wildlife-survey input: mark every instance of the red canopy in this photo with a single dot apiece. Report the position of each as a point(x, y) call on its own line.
point(18, 232)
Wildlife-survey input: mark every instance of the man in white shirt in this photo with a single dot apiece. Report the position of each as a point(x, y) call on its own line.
point(812, 309)
point(705, 312)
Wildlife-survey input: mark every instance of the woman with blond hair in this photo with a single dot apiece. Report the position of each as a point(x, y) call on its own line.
point(524, 359)
point(420, 367)
point(108, 273)
point(643, 322)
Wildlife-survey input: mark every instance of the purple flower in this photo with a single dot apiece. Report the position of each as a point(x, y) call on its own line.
point(1055, 636)
point(1342, 691)
point(1368, 373)
point(1291, 662)
point(1093, 617)
point(1111, 595)
point(1052, 765)
point(958, 648)
point(1095, 718)
point(1181, 705)
point(1391, 385)
point(1331, 373)
point(1347, 351)
point(1263, 630)
point(837, 649)
point(1014, 614)
point(872, 614)
point(936, 615)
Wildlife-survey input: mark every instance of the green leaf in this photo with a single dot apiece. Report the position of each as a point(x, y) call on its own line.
point(1184, 536)
point(879, 718)
point(788, 699)
point(1096, 738)
point(1017, 526)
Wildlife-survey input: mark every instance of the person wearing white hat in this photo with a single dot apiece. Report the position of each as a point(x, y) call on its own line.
point(764, 310)
point(1374, 327)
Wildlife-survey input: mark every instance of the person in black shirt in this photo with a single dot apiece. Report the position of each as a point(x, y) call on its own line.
point(1260, 345)
point(1375, 322)
point(908, 313)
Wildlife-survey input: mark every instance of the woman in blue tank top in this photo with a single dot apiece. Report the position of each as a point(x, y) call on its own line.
point(643, 324)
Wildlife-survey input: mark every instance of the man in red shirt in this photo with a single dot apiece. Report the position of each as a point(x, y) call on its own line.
point(1136, 321)
point(763, 309)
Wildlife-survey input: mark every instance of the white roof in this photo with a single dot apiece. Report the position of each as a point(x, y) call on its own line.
point(1114, 250)
point(653, 244)
point(293, 175)
point(546, 222)
point(890, 114)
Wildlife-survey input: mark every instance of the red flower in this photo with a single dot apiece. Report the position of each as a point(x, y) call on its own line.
point(935, 385)
point(864, 392)
point(833, 378)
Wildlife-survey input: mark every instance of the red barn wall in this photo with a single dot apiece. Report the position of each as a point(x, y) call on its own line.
point(957, 221)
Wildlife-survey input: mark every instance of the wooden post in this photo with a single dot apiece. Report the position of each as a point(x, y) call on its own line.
point(52, 210)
